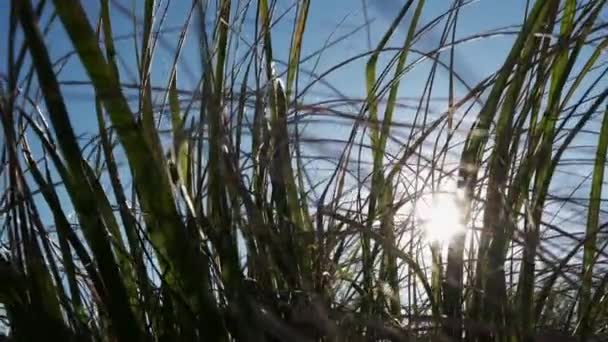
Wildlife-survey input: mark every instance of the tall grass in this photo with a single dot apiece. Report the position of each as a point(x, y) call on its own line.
point(207, 215)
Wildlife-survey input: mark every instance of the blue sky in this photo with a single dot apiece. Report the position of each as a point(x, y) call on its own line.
point(327, 19)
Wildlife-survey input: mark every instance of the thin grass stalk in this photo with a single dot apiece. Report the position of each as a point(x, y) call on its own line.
point(590, 246)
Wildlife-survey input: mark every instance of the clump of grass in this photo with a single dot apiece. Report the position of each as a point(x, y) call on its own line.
point(215, 224)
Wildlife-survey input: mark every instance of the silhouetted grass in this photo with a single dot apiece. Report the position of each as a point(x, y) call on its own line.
point(213, 215)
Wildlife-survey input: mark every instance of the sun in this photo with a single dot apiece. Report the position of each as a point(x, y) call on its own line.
point(440, 215)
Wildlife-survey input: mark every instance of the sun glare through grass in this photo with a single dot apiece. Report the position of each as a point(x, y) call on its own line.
point(440, 214)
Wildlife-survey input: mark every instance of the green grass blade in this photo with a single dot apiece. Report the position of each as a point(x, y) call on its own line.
point(296, 48)
point(593, 216)
point(180, 147)
point(80, 191)
point(186, 265)
point(378, 180)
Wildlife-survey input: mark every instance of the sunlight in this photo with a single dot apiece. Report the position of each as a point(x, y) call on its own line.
point(440, 215)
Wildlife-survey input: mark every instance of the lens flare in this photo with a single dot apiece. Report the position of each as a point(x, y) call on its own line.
point(440, 215)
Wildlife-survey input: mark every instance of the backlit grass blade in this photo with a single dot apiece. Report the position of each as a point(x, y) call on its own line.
point(285, 194)
point(67, 240)
point(146, 110)
point(129, 222)
point(52, 199)
point(543, 294)
point(378, 180)
point(495, 220)
point(108, 36)
point(296, 48)
point(154, 190)
point(471, 158)
point(564, 61)
point(593, 222)
point(180, 146)
point(217, 201)
point(387, 226)
point(81, 193)
point(293, 71)
point(44, 290)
